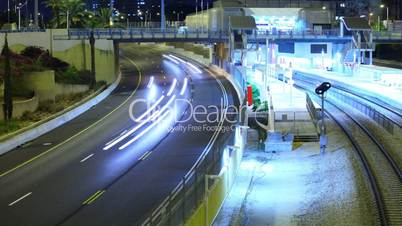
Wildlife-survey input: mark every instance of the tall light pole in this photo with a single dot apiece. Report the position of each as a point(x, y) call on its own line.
point(68, 20)
point(8, 11)
point(111, 12)
point(19, 7)
point(163, 19)
point(383, 6)
point(36, 19)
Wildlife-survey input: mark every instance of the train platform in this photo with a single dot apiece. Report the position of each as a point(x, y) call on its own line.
point(290, 110)
point(379, 83)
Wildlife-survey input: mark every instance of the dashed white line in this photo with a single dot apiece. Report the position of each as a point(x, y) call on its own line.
point(86, 158)
point(22, 197)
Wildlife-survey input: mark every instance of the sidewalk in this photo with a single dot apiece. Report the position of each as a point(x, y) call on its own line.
point(297, 188)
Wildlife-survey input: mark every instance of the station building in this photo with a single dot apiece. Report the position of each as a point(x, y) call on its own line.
point(309, 17)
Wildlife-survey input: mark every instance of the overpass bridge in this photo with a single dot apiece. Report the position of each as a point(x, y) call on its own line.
point(203, 36)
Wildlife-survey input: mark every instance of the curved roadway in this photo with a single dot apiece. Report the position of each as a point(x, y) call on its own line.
point(103, 168)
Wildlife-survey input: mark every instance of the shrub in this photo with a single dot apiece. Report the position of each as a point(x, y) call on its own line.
point(33, 52)
point(72, 76)
point(50, 107)
point(53, 63)
point(31, 116)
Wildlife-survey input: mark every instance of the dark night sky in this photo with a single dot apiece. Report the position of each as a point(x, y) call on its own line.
point(3, 3)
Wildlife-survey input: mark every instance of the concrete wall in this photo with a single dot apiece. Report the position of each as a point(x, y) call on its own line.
point(43, 83)
point(75, 52)
point(209, 208)
point(64, 89)
point(20, 107)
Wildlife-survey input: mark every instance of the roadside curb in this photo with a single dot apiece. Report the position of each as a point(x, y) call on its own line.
point(22, 136)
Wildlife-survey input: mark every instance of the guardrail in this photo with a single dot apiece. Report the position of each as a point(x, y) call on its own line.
point(22, 30)
point(387, 35)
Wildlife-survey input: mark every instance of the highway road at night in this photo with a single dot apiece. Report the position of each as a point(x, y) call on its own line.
point(103, 168)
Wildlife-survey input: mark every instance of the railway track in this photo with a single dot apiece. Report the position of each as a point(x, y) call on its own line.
point(375, 108)
point(383, 174)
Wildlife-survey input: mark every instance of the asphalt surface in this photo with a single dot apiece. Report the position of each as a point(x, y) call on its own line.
point(75, 181)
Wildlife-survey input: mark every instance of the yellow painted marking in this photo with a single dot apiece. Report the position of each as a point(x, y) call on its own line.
point(81, 132)
point(96, 197)
point(93, 197)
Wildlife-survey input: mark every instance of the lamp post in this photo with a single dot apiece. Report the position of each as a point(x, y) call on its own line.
point(383, 6)
point(19, 7)
point(321, 90)
point(163, 19)
point(370, 15)
point(68, 19)
point(111, 12)
point(8, 11)
point(36, 15)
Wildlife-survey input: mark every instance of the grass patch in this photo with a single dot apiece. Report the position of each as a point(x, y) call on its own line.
point(12, 126)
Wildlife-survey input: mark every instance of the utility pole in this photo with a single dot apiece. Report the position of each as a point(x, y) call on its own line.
point(163, 19)
point(196, 14)
point(36, 19)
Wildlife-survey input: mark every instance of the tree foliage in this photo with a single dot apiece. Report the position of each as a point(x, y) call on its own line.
point(8, 98)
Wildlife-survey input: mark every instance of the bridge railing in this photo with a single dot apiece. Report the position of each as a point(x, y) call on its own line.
point(23, 30)
point(174, 33)
point(387, 35)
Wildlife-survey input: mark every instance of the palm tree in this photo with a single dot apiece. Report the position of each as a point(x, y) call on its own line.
point(104, 16)
point(77, 15)
point(55, 5)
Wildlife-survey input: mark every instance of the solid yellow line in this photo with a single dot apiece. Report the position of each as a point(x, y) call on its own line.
point(96, 197)
point(81, 132)
point(92, 196)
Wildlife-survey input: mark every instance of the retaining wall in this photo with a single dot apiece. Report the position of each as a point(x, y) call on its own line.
point(21, 106)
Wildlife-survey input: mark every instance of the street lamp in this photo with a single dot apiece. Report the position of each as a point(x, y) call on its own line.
point(382, 6)
point(321, 90)
point(19, 7)
point(8, 11)
point(370, 15)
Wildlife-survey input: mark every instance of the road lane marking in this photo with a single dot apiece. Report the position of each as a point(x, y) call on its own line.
point(83, 131)
point(86, 158)
point(145, 155)
point(21, 198)
point(93, 197)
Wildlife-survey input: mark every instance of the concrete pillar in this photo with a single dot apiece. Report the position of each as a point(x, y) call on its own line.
point(341, 31)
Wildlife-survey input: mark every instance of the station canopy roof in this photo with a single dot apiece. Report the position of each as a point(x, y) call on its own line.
point(242, 23)
point(273, 12)
point(356, 23)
